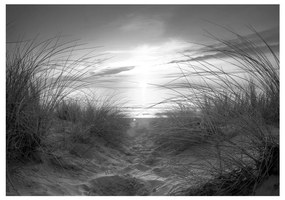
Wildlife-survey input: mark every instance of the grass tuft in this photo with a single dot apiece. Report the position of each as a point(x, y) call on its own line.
point(38, 76)
point(238, 112)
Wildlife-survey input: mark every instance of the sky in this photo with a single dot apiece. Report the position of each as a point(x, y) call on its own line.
point(141, 45)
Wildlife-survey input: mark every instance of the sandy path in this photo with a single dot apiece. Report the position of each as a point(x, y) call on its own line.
point(99, 171)
point(105, 171)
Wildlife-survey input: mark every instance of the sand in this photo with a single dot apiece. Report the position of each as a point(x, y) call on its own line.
point(106, 171)
point(98, 170)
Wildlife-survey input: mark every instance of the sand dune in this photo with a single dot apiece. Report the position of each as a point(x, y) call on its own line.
point(106, 171)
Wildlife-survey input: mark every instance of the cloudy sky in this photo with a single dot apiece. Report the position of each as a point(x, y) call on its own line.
point(143, 43)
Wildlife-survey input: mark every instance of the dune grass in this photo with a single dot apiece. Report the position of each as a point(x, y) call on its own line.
point(238, 113)
point(93, 120)
point(40, 77)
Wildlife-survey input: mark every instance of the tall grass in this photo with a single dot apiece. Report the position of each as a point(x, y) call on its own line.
point(69, 110)
point(169, 132)
point(95, 119)
point(38, 76)
point(238, 111)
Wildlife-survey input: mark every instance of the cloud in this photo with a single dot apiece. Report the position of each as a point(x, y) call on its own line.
point(222, 53)
point(109, 82)
point(109, 71)
point(171, 45)
point(221, 50)
point(144, 25)
point(141, 22)
point(199, 58)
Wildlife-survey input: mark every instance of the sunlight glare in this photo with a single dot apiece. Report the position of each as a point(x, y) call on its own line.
point(143, 86)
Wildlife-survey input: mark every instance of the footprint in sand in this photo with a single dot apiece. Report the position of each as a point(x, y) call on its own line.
point(152, 161)
point(162, 172)
point(141, 167)
point(116, 186)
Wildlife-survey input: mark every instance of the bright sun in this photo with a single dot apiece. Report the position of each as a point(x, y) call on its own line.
point(143, 86)
point(142, 58)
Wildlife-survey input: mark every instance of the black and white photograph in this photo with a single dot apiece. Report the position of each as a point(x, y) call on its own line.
point(142, 99)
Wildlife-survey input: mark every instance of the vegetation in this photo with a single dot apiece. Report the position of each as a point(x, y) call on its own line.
point(237, 112)
point(40, 77)
point(228, 117)
point(92, 121)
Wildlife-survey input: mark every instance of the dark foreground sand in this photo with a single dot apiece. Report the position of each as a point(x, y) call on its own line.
point(103, 170)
